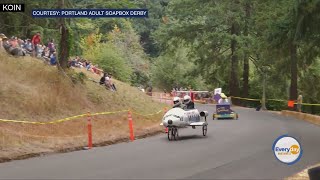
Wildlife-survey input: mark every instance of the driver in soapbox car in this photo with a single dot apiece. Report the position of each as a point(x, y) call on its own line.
point(223, 110)
point(186, 105)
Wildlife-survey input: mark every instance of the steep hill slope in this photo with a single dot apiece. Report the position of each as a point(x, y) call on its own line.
point(30, 90)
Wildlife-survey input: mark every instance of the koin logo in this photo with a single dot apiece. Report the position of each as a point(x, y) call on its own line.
point(287, 149)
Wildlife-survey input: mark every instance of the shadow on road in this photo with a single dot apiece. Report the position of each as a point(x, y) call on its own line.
point(185, 137)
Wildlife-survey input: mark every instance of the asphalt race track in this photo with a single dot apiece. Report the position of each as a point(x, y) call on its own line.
point(233, 149)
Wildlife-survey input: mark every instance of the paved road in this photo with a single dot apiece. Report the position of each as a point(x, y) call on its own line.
point(232, 150)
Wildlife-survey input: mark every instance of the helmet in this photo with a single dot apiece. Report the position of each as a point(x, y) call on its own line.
point(186, 99)
point(176, 100)
point(223, 96)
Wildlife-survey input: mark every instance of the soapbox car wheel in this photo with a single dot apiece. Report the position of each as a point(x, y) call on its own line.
point(169, 134)
point(172, 133)
point(204, 130)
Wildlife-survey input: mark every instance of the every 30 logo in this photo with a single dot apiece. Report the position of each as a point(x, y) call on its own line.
point(287, 149)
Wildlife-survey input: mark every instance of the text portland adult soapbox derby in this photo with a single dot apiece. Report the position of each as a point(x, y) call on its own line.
point(90, 13)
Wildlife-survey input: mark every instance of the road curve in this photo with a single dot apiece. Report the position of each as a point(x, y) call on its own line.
point(233, 149)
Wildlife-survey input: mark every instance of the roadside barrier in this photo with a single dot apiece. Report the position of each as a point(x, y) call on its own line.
point(47, 126)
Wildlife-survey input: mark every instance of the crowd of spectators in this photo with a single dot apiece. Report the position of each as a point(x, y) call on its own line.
point(33, 47)
point(29, 47)
point(78, 62)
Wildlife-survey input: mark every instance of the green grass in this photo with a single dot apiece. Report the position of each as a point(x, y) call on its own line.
point(31, 90)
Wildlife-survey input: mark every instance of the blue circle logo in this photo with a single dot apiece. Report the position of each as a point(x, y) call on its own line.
point(287, 149)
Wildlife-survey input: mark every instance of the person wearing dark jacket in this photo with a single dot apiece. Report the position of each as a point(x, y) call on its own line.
point(187, 102)
point(103, 79)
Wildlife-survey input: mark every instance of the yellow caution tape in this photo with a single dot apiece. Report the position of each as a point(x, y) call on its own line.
point(65, 119)
point(279, 100)
point(71, 118)
point(17, 121)
point(104, 113)
point(308, 104)
point(245, 98)
point(147, 114)
point(37, 122)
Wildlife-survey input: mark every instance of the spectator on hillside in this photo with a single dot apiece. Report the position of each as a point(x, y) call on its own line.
point(40, 50)
point(51, 47)
point(6, 45)
point(103, 79)
point(111, 84)
point(14, 42)
point(53, 59)
point(73, 62)
point(46, 54)
point(88, 67)
point(36, 39)
point(94, 69)
point(28, 46)
point(12, 47)
point(21, 43)
point(2, 39)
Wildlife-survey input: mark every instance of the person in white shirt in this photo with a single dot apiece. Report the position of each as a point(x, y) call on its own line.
point(223, 99)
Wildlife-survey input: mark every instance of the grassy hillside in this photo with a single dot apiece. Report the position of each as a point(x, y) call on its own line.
point(33, 91)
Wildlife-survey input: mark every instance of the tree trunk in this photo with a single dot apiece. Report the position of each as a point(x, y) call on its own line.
point(294, 72)
point(64, 51)
point(245, 88)
point(233, 82)
point(263, 102)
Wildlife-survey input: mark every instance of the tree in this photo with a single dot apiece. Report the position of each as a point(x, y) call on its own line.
point(213, 29)
point(107, 56)
point(289, 35)
point(64, 45)
point(173, 68)
point(147, 26)
point(245, 87)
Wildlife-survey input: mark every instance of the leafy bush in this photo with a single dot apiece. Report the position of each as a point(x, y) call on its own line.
point(110, 60)
point(276, 105)
point(139, 78)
